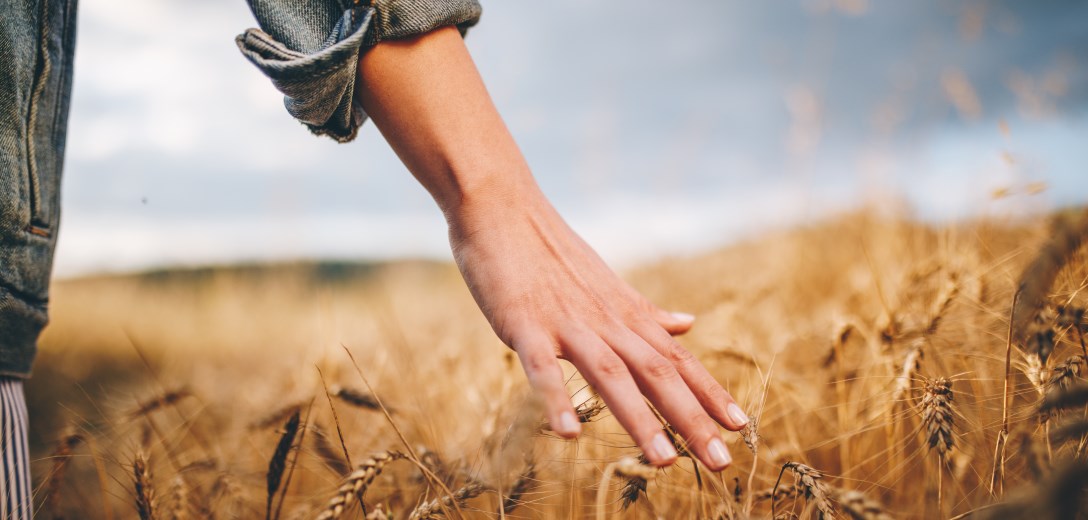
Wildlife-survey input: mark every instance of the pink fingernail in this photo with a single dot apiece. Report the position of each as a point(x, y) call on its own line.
point(568, 424)
point(662, 446)
point(719, 456)
point(683, 316)
point(738, 415)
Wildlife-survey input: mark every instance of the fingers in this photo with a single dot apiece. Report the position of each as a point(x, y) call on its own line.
point(537, 357)
point(662, 383)
point(603, 369)
point(675, 323)
point(713, 398)
point(631, 360)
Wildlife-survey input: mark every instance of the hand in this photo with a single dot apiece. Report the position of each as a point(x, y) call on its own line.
point(548, 295)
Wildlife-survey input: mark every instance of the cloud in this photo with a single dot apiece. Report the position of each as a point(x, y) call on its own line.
point(617, 104)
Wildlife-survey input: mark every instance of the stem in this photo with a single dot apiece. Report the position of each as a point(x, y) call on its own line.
point(940, 481)
point(699, 486)
point(294, 462)
point(774, 490)
point(1080, 336)
point(411, 455)
point(998, 477)
point(840, 389)
point(602, 490)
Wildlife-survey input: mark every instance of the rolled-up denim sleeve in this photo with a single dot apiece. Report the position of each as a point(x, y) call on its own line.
point(310, 49)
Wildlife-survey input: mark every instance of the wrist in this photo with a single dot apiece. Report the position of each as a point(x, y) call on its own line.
point(487, 196)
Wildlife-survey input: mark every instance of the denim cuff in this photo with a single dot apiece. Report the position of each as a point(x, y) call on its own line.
point(315, 66)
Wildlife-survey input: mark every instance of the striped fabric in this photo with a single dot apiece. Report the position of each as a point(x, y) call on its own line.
point(15, 471)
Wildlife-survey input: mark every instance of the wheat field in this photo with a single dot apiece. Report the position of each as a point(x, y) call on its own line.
point(874, 353)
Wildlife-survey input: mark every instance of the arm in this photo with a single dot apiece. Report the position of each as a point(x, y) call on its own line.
point(545, 292)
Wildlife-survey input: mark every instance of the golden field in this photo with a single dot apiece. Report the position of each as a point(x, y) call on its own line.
point(871, 351)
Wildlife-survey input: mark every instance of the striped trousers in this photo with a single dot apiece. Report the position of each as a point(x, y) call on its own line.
point(15, 489)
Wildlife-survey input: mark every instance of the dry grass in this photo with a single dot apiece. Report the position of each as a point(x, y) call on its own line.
point(844, 340)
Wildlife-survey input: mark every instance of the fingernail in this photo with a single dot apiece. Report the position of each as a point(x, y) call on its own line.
point(683, 316)
point(738, 415)
point(568, 424)
point(719, 456)
point(662, 446)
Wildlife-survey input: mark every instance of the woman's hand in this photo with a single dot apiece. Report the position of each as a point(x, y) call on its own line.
point(546, 293)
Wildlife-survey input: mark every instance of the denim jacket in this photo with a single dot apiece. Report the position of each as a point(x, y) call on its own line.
point(308, 48)
point(36, 43)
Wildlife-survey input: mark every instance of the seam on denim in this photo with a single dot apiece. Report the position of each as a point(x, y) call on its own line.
point(39, 304)
point(463, 17)
point(64, 82)
point(316, 59)
point(264, 41)
point(325, 71)
point(43, 68)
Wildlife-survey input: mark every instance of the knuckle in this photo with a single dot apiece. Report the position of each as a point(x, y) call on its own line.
point(537, 360)
point(678, 355)
point(610, 365)
point(716, 394)
point(701, 428)
point(658, 367)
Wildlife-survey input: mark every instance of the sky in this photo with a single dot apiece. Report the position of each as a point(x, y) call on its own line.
point(657, 129)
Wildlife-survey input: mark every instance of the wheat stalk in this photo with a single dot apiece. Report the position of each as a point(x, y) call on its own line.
point(634, 470)
point(937, 415)
point(433, 509)
point(163, 400)
point(143, 486)
point(525, 481)
point(1035, 282)
point(944, 302)
point(179, 498)
point(1075, 429)
point(277, 416)
point(328, 452)
point(62, 454)
point(634, 485)
point(860, 507)
point(937, 422)
point(912, 362)
point(585, 412)
point(357, 482)
point(1028, 301)
point(1064, 374)
point(1033, 455)
point(1073, 395)
point(811, 487)
point(750, 435)
point(357, 398)
point(786, 491)
point(278, 463)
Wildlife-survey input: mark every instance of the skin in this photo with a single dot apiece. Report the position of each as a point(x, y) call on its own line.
point(546, 293)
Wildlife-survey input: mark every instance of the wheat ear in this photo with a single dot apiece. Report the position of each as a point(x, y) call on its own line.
point(145, 490)
point(278, 463)
point(431, 510)
point(357, 483)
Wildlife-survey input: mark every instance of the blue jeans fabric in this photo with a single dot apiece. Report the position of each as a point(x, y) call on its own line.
point(308, 48)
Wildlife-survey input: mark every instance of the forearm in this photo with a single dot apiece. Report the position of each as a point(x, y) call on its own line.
point(429, 102)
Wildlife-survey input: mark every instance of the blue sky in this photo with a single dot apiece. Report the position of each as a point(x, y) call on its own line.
point(657, 129)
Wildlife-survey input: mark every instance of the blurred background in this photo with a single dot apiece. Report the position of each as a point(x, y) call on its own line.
point(215, 259)
point(657, 129)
